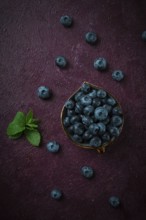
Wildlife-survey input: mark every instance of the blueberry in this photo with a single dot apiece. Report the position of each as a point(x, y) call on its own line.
point(91, 37)
point(101, 113)
point(103, 101)
point(94, 129)
point(143, 36)
point(108, 107)
point(118, 75)
point(114, 131)
point(69, 104)
point(85, 88)
point(77, 138)
point(70, 129)
point(87, 171)
point(87, 135)
point(66, 121)
point(70, 112)
point(111, 101)
point(88, 110)
point(61, 61)
point(116, 120)
point(86, 120)
point(53, 146)
point(106, 137)
point(96, 102)
point(100, 64)
point(78, 96)
point(78, 108)
point(75, 118)
point(93, 94)
point(101, 93)
point(101, 128)
point(106, 121)
point(114, 201)
point(66, 21)
point(78, 128)
point(56, 194)
point(43, 92)
point(117, 111)
point(86, 100)
point(95, 142)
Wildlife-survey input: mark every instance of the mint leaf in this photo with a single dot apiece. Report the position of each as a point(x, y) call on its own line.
point(33, 137)
point(19, 119)
point(14, 129)
point(16, 136)
point(29, 116)
point(31, 126)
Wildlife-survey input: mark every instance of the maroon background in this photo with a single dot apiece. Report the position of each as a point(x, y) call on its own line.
point(30, 39)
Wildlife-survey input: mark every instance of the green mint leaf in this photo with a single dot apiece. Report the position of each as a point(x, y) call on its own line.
point(14, 129)
point(28, 126)
point(19, 119)
point(16, 136)
point(33, 136)
point(29, 116)
point(35, 121)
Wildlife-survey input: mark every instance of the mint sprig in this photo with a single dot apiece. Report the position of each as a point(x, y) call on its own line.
point(24, 124)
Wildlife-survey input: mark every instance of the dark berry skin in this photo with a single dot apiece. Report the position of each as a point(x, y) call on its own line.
point(100, 64)
point(114, 131)
point(78, 108)
point(56, 194)
point(95, 142)
point(116, 120)
point(111, 101)
point(101, 128)
point(69, 104)
point(53, 146)
point(91, 37)
point(78, 96)
point(66, 21)
point(74, 119)
point(77, 138)
point(101, 93)
point(101, 113)
point(70, 112)
point(87, 172)
point(61, 61)
point(88, 110)
point(78, 128)
point(106, 121)
point(106, 137)
point(66, 122)
point(117, 111)
point(87, 135)
point(92, 94)
point(94, 129)
point(86, 100)
point(96, 102)
point(114, 201)
point(70, 129)
point(118, 75)
point(108, 107)
point(44, 92)
point(85, 88)
point(86, 120)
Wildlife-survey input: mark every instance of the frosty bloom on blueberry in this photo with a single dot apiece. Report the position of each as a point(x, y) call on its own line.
point(44, 92)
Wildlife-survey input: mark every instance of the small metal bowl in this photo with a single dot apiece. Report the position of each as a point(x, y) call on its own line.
point(102, 148)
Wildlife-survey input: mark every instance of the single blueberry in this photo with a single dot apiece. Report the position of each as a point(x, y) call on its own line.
point(70, 112)
point(118, 75)
point(78, 128)
point(70, 129)
point(86, 120)
point(69, 104)
point(103, 101)
point(56, 194)
point(94, 129)
point(101, 128)
point(106, 137)
point(111, 101)
point(117, 111)
point(88, 110)
point(43, 92)
point(96, 102)
point(87, 135)
point(78, 108)
point(114, 201)
point(53, 146)
point(93, 94)
point(95, 142)
point(66, 122)
point(114, 131)
point(77, 138)
point(85, 88)
point(100, 64)
point(91, 37)
point(78, 96)
point(66, 21)
point(75, 118)
point(106, 121)
point(108, 107)
point(61, 61)
point(101, 93)
point(143, 36)
point(101, 113)
point(116, 120)
point(86, 100)
point(87, 171)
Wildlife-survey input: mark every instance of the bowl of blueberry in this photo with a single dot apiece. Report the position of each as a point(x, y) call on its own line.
point(92, 118)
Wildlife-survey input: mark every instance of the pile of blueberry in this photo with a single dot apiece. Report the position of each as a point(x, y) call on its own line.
point(92, 117)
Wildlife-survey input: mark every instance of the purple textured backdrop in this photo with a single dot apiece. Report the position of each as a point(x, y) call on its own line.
point(30, 38)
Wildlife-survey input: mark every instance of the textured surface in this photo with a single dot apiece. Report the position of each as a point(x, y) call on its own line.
point(30, 39)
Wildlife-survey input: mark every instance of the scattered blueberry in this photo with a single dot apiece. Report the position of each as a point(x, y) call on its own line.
point(117, 111)
point(94, 129)
point(114, 201)
point(53, 146)
point(101, 128)
point(87, 172)
point(61, 61)
point(101, 93)
point(75, 118)
point(95, 142)
point(86, 100)
point(118, 75)
point(43, 92)
point(86, 120)
point(96, 102)
point(144, 36)
point(111, 101)
point(91, 37)
point(85, 88)
point(66, 21)
point(77, 138)
point(56, 194)
point(69, 104)
point(87, 135)
point(66, 122)
point(116, 120)
point(78, 128)
point(100, 64)
point(88, 110)
point(101, 113)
